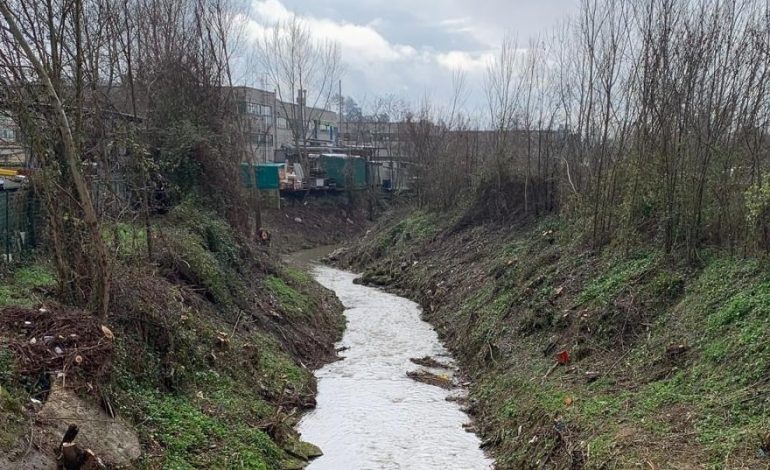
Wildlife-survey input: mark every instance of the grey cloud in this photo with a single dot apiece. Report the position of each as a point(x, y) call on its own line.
point(432, 27)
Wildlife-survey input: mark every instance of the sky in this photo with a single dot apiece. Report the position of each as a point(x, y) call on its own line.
point(410, 48)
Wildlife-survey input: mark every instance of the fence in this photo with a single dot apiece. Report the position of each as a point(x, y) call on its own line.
point(21, 221)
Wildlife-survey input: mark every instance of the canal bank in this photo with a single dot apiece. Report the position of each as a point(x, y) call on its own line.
point(623, 358)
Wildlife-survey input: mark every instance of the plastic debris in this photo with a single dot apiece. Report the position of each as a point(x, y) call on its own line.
point(562, 357)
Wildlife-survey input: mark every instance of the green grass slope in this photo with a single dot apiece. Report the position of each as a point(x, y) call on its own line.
point(669, 364)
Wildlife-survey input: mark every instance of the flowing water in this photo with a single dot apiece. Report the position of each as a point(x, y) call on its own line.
point(370, 415)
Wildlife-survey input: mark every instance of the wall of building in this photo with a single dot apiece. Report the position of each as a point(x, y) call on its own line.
point(268, 122)
point(12, 152)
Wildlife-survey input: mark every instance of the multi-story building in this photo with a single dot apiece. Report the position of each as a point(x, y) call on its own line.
point(12, 152)
point(271, 124)
point(257, 110)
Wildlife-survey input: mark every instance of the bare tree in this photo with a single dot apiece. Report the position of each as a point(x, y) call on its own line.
point(39, 59)
point(304, 70)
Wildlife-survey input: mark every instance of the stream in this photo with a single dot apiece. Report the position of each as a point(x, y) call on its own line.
point(369, 414)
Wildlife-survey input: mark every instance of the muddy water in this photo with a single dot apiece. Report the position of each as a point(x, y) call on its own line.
point(370, 415)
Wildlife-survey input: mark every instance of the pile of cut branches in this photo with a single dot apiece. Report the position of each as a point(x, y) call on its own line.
point(53, 340)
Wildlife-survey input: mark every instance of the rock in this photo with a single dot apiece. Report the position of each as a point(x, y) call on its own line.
point(309, 450)
point(293, 464)
point(303, 450)
point(336, 254)
point(298, 220)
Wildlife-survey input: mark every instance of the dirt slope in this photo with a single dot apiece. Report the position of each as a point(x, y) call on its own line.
point(664, 365)
point(208, 359)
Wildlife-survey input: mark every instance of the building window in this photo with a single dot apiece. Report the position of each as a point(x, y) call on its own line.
point(262, 140)
point(7, 129)
point(7, 134)
point(255, 109)
point(282, 123)
point(328, 125)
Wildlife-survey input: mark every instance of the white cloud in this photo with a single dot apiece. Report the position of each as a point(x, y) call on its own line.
point(271, 11)
point(359, 43)
point(378, 66)
point(465, 61)
point(455, 21)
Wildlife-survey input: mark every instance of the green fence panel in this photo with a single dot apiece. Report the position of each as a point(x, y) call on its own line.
point(345, 170)
point(268, 175)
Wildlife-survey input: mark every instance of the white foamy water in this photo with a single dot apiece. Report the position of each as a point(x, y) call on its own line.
point(370, 415)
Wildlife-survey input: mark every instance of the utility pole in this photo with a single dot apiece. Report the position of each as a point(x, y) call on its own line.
point(339, 119)
point(275, 121)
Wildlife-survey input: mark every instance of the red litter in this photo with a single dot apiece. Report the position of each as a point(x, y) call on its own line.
point(562, 357)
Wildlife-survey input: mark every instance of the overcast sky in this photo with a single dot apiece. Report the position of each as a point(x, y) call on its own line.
point(409, 48)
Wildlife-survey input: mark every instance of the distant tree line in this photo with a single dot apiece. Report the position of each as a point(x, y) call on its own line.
point(643, 120)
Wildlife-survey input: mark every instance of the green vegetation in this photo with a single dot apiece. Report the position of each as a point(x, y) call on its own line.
point(208, 430)
point(288, 296)
point(420, 226)
point(26, 285)
point(202, 395)
point(606, 288)
point(201, 248)
point(677, 354)
point(201, 390)
point(127, 240)
point(12, 420)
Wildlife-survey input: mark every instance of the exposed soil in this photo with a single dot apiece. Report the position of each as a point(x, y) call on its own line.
point(314, 221)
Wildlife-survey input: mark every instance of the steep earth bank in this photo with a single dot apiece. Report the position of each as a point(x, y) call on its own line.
point(626, 358)
point(205, 359)
point(312, 221)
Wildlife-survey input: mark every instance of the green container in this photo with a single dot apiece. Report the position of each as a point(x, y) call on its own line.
point(269, 175)
point(345, 171)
